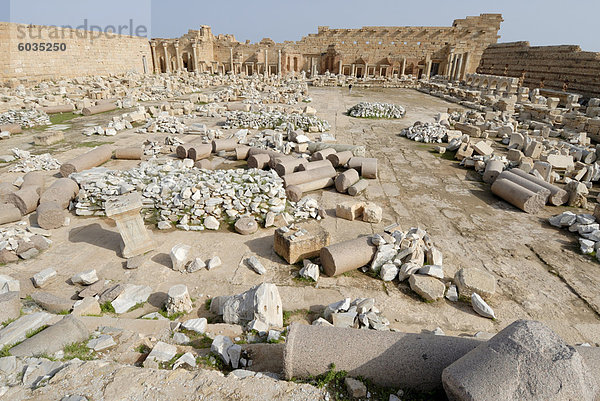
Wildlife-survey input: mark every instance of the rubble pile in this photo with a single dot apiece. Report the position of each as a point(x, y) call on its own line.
point(585, 225)
point(376, 110)
point(27, 162)
point(426, 132)
point(22, 241)
point(176, 192)
point(25, 118)
point(275, 120)
point(412, 256)
point(359, 314)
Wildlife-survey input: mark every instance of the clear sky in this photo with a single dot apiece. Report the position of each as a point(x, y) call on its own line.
point(541, 22)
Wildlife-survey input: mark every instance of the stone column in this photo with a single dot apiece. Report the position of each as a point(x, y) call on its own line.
point(428, 69)
point(403, 70)
point(125, 211)
point(465, 65)
point(452, 67)
point(366, 70)
point(340, 69)
point(448, 64)
point(458, 66)
point(279, 62)
point(266, 63)
point(353, 72)
point(153, 51)
point(167, 61)
point(195, 53)
point(231, 60)
point(178, 61)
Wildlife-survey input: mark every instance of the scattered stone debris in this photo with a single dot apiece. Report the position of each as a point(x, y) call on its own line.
point(275, 120)
point(359, 314)
point(27, 162)
point(585, 225)
point(376, 110)
point(25, 118)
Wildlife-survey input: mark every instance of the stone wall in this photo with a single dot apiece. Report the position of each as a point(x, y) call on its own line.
point(85, 53)
point(563, 68)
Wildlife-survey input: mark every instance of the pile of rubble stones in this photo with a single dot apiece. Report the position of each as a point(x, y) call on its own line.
point(376, 110)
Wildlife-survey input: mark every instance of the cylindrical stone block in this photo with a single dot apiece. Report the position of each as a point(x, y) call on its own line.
point(316, 184)
point(301, 177)
point(259, 161)
point(34, 179)
point(12, 128)
point(99, 108)
point(129, 153)
point(204, 164)
point(87, 160)
point(241, 152)
point(61, 108)
point(358, 151)
point(524, 182)
point(314, 165)
point(366, 166)
point(383, 357)
point(62, 191)
point(182, 150)
point(516, 195)
point(340, 159)
point(346, 179)
point(288, 166)
point(6, 188)
point(348, 255)
point(293, 193)
point(276, 159)
point(9, 213)
point(492, 170)
point(322, 154)
point(557, 197)
point(50, 215)
point(199, 152)
point(358, 187)
point(26, 199)
point(224, 144)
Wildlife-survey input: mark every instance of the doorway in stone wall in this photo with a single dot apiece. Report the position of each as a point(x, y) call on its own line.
point(359, 72)
point(435, 69)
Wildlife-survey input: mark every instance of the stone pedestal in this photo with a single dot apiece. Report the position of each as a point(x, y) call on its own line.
point(125, 211)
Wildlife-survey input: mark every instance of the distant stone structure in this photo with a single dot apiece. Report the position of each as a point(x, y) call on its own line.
point(374, 51)
point(562, 68)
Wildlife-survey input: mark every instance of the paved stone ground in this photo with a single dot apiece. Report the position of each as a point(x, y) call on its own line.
point(540, 274)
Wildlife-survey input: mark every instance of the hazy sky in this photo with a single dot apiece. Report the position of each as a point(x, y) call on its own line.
point(542, 22)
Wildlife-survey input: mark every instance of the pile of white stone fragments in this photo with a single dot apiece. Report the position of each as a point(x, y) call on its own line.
point(177, 192)
point(26, 162)
point(376, 110)
point(584, 225)
point(275, 120)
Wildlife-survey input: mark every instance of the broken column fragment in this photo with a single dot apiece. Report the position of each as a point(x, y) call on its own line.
point(348, 255)
point(260, 307)
point(87, 160)
point(516, 195)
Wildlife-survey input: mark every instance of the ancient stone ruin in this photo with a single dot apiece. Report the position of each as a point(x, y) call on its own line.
point(376, 213)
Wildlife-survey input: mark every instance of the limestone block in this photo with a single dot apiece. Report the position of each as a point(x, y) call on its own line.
point(44, 277)
point(429, 288)
point(524, 361)
point(483, 148)
point(372, 213)
point(178, 300)
point(294, 248)
point(349, 210)
point(469, 280)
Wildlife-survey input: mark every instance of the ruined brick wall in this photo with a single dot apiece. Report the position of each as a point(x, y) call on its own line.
point(81, 53)
point(554, 67)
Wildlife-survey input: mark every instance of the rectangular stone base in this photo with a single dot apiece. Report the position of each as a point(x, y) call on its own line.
point(294, 247)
